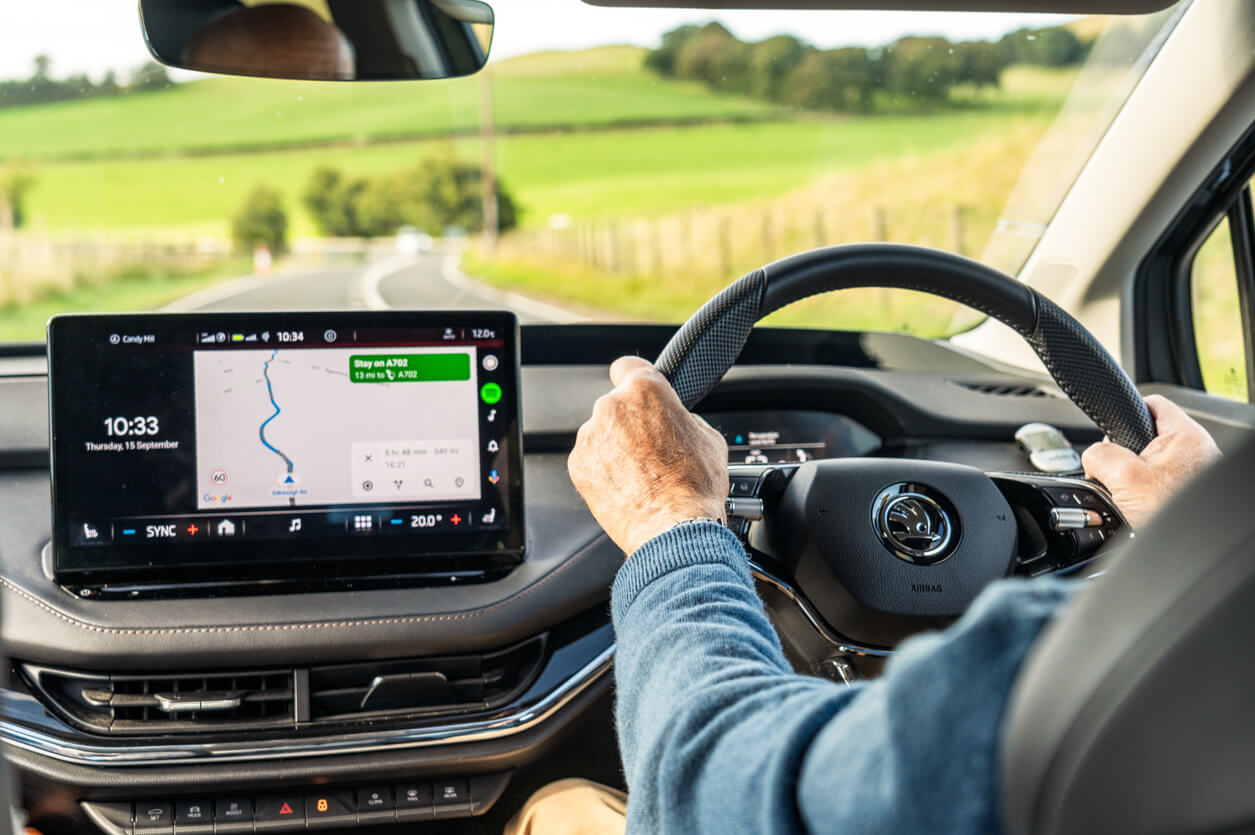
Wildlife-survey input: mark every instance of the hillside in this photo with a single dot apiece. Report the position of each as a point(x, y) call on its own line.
point(603, 139)
point(587, 138)
point(602, 87)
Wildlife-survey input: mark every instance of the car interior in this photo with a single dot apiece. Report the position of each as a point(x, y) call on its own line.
point(277, 566)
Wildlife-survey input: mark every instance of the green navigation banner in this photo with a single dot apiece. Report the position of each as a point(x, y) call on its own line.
point(409, 368)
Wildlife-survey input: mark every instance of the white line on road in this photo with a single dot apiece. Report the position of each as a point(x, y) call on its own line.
point(365, 291)
point(452, 272)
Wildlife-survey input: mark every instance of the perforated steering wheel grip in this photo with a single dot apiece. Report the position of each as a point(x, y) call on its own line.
point(707, 345)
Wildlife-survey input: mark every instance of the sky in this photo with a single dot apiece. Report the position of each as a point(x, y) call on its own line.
point(93, 36)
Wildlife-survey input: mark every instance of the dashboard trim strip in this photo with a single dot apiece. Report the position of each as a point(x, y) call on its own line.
point(46, 744)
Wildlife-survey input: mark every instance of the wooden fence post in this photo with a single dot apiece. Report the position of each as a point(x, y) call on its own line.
point(612, 242)
point(879, 230)
point(725, 246)
point(655, 228)
point(629, 251)
point(956, 231)
point(880, 233)
point(769, 237)
point(686, 239)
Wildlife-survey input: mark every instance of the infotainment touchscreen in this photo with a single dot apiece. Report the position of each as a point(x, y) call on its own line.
point(235, 445)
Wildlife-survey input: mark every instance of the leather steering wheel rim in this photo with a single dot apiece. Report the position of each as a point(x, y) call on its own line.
point(707, 345)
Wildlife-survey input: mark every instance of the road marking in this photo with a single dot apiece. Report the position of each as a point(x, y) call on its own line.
point(365, 291)
point(452, 272)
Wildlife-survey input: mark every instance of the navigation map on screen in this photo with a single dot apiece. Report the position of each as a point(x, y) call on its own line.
point(290, 426)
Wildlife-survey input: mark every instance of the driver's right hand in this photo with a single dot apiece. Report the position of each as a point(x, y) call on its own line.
point(643, 462)
point(1142, 484)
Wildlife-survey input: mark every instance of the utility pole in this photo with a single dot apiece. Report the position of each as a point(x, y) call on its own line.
point(487, 133)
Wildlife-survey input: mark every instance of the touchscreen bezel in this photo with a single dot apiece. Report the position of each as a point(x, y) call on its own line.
point(428, 555)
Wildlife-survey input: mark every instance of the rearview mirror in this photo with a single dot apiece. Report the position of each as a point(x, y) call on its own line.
point(330, 40)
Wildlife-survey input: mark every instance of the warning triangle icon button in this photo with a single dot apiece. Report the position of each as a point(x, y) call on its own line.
point(285, 809)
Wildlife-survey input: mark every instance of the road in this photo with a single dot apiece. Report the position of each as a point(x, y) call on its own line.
point(430, 281)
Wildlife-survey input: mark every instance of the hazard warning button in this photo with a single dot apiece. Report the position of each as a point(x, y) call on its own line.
point(280, 811)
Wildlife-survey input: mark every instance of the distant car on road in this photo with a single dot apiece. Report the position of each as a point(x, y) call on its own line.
point(413, 241)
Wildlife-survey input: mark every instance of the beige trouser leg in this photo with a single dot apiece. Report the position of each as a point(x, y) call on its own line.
point(571, 807)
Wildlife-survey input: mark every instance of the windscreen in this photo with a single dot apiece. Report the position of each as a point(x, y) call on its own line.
point(608, 164)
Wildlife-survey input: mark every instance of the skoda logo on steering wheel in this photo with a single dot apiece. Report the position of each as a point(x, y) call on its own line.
point(914, 526)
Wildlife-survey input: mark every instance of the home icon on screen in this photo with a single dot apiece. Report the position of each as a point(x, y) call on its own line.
point(226, 528)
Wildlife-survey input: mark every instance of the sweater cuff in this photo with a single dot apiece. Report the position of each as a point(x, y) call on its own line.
point(695, 543)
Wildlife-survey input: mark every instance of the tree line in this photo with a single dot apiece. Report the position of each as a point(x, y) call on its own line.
point(42, 88)
point(788, 71)
point(439, 195)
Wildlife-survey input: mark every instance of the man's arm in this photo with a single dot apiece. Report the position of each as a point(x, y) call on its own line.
point(717, 733)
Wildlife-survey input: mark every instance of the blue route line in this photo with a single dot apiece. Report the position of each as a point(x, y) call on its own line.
point(261, 432)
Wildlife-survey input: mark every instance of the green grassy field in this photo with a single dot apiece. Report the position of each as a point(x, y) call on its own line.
point(133, 291)
point(588, 174)
point(915, 196)
point(585, 175)
point(598, 87)
point(619, 148)
point(1217, 312)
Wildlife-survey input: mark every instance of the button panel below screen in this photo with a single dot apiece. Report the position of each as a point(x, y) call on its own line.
point(297, 809)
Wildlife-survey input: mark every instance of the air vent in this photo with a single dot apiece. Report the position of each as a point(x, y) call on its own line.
point(123, 704)
point(423, 686)
point(261, 699)
point(1004, 389)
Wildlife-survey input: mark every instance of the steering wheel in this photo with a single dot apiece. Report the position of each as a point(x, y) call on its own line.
point(903, 537)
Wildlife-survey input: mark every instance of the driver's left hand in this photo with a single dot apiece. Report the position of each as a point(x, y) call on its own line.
point(643, 462)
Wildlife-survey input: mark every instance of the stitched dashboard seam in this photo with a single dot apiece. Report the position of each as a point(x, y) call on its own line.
point(296, 627)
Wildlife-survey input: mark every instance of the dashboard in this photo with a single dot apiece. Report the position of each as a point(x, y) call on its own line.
point(791, 437)
point(443, 693)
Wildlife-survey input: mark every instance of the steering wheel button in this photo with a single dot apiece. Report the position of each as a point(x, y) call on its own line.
point(1075, 497)
point(1089, 540)
point(1074, 518)
point(751, 509)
